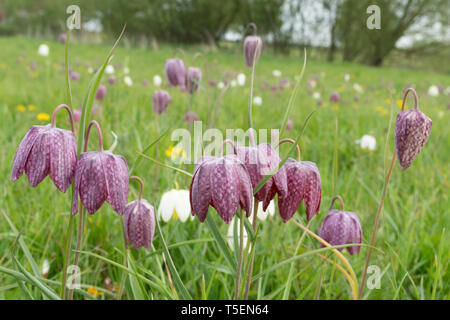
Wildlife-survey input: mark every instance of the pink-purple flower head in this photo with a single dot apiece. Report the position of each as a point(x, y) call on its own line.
point(252, 49)
point(139, 222)
point(335, 97)
point(161, 100)
point(303, 183)
point(194, 76)
point(260, 161)
point(100, 176)
point(224, 184)
point(176, 73)
point(47, 150)
point(412, 129)
point(190, 117)
point(342, 227)
point(101, 92)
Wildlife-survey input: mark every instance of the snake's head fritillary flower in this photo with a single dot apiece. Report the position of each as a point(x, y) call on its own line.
point(111, 79)
point(412, 129)
point(63, 38)
point(175, 72)
point(161, 100)
point(175, 204)
point(303, 183)
point(47, 150)
point(190, 117)
point(222, 183)
point(342, 227)
point(139, 223)
point(252, 49)
point(260, 161)
point(194, 76)
point(100, 176)
point(289, 125)
point(335, 97)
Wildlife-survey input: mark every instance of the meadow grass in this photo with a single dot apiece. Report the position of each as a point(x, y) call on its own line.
point(413, 234)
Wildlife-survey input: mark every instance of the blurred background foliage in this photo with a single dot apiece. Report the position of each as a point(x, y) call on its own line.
point(286, 25)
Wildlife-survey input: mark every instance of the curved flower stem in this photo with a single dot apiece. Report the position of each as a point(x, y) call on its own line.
point(141, 183)
point(125, 251)
point(100, 139)
point(252, 258)
point(78, 245)
point(231, 142)
point(340, 200)
point(61, 106)
point(241, 249)
point(239, 47)
point(383, 196)
point(293, 142)
point(354, 281)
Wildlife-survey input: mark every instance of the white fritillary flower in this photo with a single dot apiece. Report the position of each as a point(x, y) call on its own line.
point(175, 204)
point(367, 142)
point(43, 50)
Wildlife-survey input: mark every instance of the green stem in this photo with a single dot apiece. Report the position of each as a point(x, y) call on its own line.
point(241, 249)
point(125, 260)
point(67, 256)
point(250, 101)
point(252, 258)
point(78, 245)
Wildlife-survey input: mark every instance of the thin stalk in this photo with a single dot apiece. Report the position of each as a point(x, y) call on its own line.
point(241, 249)
point(78, 245)
point(383, 197)
point(67, 255)
point(252, 258)
point(353, 282)
point(125, 260)
point(250, 101)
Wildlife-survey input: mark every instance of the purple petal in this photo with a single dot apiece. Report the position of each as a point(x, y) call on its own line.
point(37, 166)
point(63, 158)
point(92, 187)
point(200, 192)
point(116, 176)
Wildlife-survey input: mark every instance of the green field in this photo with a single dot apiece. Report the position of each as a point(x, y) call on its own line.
point(413, 235)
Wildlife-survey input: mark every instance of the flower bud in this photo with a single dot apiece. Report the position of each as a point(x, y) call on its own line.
point(252, 49)
point(176, 73)
point(101, 92)
point(194, 76)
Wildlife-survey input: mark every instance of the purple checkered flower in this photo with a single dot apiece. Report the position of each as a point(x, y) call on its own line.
point(47, 150)
point(176, 73)
point(161, 100)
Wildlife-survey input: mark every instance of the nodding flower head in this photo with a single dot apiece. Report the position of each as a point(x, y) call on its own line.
point(175, 72)
point(139, 222)
point(335, 97)
point(190, 117)
point(412, 129)
point(47, 150)
point(260, 161)
point(63, 38)
point(223, 183)
point(101, 92)
point(341, 227)
point(252, 49)
point(194, 76)
point(100, 176)
point(303, 183)
point(161, 100)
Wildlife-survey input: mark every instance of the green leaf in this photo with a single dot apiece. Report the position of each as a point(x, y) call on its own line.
point(220, 241)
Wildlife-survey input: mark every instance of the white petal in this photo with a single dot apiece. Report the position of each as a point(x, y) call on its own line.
point(166, 206)
point(182, 204)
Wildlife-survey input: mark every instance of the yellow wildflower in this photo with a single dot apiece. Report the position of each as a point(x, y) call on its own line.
point(32, 107)
point(381, 110)
point(388, 101)
point(94, 292)
point(335, 108)
point(21, 108)
point(43, 116)
point(175, 152)
point(399, 103)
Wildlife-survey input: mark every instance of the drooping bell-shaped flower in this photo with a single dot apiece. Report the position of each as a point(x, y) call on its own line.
point(260, 161)
point(100, 176)
point(303, 183)
point(175, 204)
point(47, 150)
point(252, 49)
point(176, 73)
point(342, 227)
point(412, 129)
point(139, 222)
point(161, 100)
point(101, 92)
point(194, 76)
point(224, 184)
